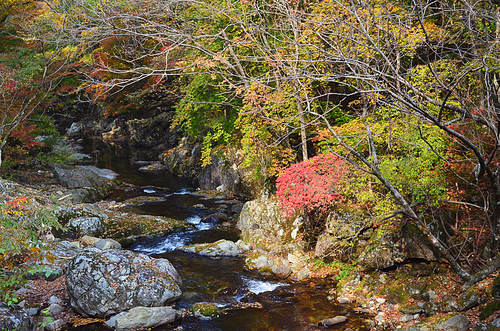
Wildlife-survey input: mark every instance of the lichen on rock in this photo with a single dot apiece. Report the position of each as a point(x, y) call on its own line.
point(103, 283)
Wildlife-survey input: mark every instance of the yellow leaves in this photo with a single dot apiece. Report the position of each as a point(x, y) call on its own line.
point(219, 56)
point(6, 5)
point(203, 63)
point(94, 31)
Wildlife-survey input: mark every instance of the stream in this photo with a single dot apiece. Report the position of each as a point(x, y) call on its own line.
point(224, 281)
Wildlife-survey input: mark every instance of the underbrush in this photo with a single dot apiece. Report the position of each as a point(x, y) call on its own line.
point(23, 222)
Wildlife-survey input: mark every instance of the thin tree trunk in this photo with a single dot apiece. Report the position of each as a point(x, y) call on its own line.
point(303, 133)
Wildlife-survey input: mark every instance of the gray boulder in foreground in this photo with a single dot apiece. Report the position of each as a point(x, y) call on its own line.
point(146, 317)
point(102, 283)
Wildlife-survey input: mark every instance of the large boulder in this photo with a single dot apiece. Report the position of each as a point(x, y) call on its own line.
point(225, 172)
point(183, 160)
point(385, 250)
point(455, 323)
point(65, 214)
point(226, 176)
point(262, 224)
point(81, 129)
point(381, 256)
point(341, 228)
point(152, 132)
point(88, 182)
point(102, 283)
point(15, 319)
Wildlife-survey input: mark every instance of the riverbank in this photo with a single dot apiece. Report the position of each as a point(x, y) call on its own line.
point(411, 297)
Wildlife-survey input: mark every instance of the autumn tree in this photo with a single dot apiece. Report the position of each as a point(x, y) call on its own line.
point(248, 55)
point(435, 69)
point(379, 83)
point(32, 63)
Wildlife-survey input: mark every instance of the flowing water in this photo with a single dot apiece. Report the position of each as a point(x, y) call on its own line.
point(223, 281)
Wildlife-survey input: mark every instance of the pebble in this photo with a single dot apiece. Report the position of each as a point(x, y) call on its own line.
point(56, 325)
point(381, 300)
point(406, 318)
point(77, 244)
point(382, 279)
point(333, 321)
point(343, 300)
point(380, 317)
point(361, 311)
point(22, 290)
point(55, 309)
point(54, 299)
point(33, 311)
point(111, 323)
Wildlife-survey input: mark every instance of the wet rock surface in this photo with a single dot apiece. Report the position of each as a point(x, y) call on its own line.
point(333, 321)
point(219, 248)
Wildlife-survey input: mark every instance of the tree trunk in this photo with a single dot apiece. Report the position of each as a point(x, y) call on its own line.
point(303, 133)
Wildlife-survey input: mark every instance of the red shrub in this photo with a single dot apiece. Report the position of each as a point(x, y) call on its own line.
point(310, 184)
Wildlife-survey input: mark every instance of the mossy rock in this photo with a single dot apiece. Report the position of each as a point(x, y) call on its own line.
point(470, 299)
point(481, 326)
point(122, 228)
point(141, 200)
point(489, 309)
point(205, 310)
point(410, 308)
point(495, 288)
point(397, 294)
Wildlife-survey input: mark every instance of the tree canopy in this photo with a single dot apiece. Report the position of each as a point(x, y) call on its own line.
point(404, 92)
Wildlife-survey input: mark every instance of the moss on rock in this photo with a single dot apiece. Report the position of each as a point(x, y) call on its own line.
point(488, 309)
point(125, 229)
point(205, 309)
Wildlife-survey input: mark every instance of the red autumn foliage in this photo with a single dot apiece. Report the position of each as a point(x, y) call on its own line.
point(21, 141)
point(311, 184)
